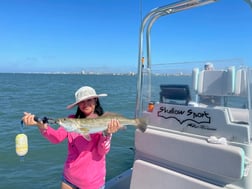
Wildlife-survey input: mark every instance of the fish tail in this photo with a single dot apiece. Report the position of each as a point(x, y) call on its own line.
point(141, 124)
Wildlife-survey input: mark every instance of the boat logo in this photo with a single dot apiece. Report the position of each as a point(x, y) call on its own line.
point(184, 115)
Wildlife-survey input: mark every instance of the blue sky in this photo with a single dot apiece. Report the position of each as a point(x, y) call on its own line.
point(102, 35)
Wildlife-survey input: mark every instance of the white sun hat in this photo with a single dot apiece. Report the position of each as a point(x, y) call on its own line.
point(84, 93)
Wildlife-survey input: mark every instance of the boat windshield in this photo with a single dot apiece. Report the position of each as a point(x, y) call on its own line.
point(226, 86)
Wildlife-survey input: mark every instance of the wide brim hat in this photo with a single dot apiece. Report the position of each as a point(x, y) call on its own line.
point(84, 93)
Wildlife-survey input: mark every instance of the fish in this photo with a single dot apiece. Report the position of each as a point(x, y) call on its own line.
point(87, 126)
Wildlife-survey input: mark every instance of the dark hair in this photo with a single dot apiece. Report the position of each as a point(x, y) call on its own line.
point(98, 110)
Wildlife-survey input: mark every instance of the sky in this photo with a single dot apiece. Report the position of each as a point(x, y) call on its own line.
point(103, 35)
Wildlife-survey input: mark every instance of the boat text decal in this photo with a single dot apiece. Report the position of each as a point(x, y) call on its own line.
point(182, 115)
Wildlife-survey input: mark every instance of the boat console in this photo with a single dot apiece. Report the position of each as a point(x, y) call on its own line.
point(196, 144)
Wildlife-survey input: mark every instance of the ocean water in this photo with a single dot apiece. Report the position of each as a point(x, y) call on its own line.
point(48, 95)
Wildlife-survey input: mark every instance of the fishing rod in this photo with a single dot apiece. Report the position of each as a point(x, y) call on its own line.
point(44, 119)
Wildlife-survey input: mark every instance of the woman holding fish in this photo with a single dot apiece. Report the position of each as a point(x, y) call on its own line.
point(85, 166)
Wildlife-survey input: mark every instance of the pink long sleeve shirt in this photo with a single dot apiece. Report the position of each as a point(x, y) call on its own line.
point(85, 166)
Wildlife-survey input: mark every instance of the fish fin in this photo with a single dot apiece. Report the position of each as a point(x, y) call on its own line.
point(84, 130)
point(124, 127)
point(85, 133)
point(109, 113)
point(141, 124)
point(86, 136)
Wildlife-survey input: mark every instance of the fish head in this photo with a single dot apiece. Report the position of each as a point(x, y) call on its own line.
point(67, 123)
point(72, 125)
point(61, 121)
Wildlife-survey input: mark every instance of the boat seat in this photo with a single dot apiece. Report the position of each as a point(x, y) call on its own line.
point(149, 176)
point(212, 86)
point(217, 163)
point(175, 94)
point(213, 83)
point(237, 115)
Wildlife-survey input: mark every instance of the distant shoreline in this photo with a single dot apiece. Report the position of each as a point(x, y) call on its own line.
point(96, 74)
point(70, 73)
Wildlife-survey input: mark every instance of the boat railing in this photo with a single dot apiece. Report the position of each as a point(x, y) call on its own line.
point(147, 24)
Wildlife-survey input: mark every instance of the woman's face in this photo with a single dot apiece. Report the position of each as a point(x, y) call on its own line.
point(87, 106)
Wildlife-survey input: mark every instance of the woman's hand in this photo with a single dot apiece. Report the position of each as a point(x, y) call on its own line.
point(28, 120)
point(113, 127)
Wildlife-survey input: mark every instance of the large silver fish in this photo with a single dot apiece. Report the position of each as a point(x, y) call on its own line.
point(87, 126)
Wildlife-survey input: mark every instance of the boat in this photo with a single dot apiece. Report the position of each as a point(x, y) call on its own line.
point(199, 129)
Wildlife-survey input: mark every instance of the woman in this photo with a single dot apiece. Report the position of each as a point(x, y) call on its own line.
point(85, 166)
